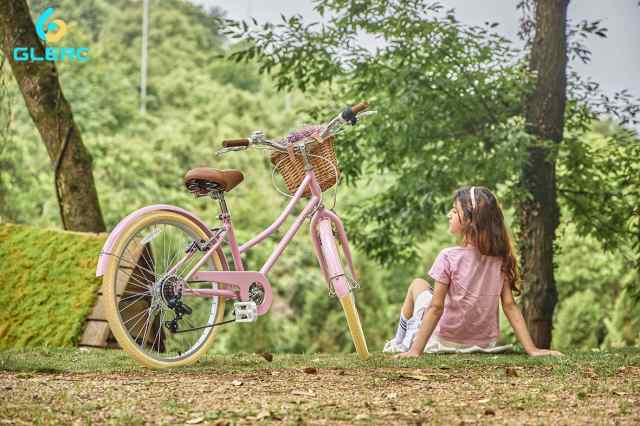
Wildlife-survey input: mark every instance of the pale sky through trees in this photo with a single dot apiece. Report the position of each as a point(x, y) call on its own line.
point(615, 62)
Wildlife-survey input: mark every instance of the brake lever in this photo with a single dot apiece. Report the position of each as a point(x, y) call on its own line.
point(353, 120)
point(366, 113)
point(232, 148)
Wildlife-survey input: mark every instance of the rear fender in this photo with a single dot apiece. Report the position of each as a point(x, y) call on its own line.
point(124, 223)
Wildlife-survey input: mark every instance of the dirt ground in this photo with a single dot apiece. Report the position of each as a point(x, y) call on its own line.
point(528, 395)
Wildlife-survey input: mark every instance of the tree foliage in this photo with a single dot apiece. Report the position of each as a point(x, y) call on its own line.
point(447, 97)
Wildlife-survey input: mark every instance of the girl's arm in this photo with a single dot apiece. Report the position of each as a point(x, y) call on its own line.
point(516, 320)
point(429, 322)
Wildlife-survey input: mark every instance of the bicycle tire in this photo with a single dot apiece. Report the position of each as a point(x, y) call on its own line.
point(113, 313)
point(329, 248)
point(355, 327)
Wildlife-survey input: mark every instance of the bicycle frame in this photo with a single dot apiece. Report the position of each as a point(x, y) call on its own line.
point(244, 279)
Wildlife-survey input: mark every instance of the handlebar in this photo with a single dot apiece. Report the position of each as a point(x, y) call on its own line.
point(348, 115)
point(228, 143)
point(360, 107)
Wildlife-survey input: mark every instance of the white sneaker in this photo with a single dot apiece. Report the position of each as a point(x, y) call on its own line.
point(392, 347)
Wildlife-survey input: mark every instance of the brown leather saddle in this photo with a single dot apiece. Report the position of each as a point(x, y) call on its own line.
point(203, 180)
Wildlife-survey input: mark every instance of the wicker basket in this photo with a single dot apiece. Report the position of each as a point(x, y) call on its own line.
point(292, 171)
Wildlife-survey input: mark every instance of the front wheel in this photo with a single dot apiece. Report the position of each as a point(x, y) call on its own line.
point(143, 287)
point(355, 327)
point(336, 270)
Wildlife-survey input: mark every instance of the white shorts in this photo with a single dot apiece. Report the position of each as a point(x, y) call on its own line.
point(435, 344)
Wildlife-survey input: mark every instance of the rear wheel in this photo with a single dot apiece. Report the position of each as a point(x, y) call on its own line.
point(144, 303)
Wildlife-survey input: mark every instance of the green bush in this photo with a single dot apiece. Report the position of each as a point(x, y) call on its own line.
point(623, 326)
point(579, 322)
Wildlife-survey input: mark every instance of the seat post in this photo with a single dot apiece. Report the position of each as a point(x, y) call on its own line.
point(219, 195)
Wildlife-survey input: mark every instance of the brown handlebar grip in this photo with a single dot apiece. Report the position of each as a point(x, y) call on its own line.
point(228, 143)
point(360, 107)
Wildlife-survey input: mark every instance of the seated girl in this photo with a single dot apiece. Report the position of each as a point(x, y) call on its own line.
point(461, 314)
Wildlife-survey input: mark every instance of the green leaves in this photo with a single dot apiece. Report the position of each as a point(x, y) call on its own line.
point(447, 95)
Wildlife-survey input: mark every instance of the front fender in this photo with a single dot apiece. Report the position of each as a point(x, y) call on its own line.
point(124, 223)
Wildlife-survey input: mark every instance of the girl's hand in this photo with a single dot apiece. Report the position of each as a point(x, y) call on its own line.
point(544, 352)
point(409, 354)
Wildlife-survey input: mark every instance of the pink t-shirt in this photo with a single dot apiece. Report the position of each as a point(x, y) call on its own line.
point(470, 312)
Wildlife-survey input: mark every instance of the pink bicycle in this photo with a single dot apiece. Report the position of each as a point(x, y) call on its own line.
point(165, 274)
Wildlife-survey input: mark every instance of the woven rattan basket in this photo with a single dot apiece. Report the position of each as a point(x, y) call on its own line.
point(322, 158)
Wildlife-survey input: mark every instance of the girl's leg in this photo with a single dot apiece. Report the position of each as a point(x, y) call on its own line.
point(417, 300)
point(417, 286)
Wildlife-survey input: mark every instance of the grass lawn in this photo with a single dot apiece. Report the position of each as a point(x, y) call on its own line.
point(63, 386)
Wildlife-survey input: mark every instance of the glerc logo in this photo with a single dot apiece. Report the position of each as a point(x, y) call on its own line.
point(51, 32)
point(55, 30)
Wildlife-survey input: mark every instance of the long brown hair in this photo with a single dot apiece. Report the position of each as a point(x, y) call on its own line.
point(484, 228)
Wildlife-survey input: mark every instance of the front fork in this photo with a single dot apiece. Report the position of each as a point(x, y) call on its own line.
point(326, 251)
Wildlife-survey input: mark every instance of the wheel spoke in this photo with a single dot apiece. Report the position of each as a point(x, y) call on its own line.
point(135, 316)
point(129, 304)
point(147, 326)
point(137, 265)
point(159, 332)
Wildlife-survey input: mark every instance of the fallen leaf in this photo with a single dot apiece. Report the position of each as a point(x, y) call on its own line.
point(195, 420)
point(511, 372)
point(236, 383)
point(423, 377)
point(303, 392)
point(263, 414)
point(311, 370)
point(267, 356)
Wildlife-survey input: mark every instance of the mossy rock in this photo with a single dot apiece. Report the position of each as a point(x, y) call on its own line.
point(47, 285)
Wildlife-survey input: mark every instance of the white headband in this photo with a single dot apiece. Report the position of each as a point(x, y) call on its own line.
point(473, 197)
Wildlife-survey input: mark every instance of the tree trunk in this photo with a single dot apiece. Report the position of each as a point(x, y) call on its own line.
point(51, 113)
point(539, 213)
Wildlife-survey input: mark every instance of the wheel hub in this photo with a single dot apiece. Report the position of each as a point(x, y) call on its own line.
point(170, 290)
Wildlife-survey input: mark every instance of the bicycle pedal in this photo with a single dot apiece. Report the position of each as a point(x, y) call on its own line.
point(245, 311)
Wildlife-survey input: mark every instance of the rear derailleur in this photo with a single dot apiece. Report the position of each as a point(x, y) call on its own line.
point(171, 290)
point(180, 309)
